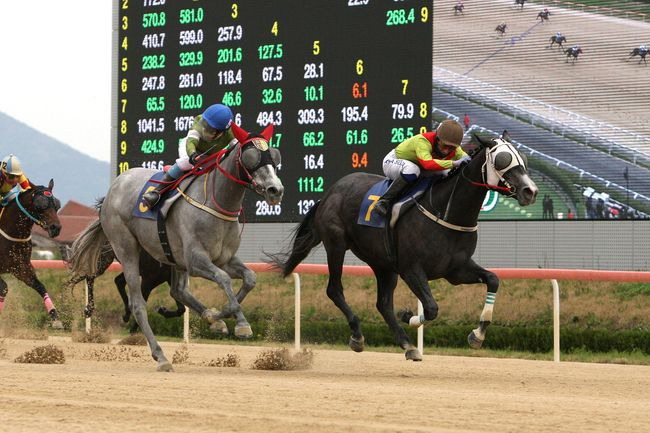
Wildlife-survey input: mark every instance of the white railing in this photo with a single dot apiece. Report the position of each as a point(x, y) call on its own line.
point(364, 271)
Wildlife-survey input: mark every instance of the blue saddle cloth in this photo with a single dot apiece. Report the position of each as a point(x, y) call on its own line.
point(141, 209)
point(367, 215)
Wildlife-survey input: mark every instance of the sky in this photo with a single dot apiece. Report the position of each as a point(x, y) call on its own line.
point(55, 72)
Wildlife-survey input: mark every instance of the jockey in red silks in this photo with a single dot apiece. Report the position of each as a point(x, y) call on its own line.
point(437, 151)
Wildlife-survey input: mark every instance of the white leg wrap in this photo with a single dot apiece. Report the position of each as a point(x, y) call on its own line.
point(486, 315)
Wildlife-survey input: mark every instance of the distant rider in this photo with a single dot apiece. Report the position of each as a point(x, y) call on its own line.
point(209, 134)
point(12, 179)
point(431, 151)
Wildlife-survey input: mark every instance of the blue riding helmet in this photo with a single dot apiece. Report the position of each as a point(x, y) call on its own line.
point(218, 116)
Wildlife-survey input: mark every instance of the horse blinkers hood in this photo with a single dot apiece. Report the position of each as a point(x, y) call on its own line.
point(254, 160)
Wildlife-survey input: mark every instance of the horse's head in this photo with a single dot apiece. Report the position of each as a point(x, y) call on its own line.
point(40, 205)
point(505, 166)
point(259, 163)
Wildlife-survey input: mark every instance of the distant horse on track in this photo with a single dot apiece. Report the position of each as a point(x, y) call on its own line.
point(458, 9)
point(572, 53)
point(543, 15)
point(520, 3)
point(201, 239)
point(501, 29)
point(555, 40)
point(641, 52)
point(36, 205)
point(434, 239)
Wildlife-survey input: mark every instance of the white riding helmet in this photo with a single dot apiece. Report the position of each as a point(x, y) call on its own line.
point(643, 47)
point(11, 165)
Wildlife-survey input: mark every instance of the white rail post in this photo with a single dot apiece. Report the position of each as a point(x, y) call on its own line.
point(420, 329)
point(88, 324)
point(186, 319)
point(296, 328)
point(556, 321)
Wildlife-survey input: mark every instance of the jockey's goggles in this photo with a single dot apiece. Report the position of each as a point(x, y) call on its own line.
point(10, 176)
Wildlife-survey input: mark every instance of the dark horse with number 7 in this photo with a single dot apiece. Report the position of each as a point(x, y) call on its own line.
point(435, 239)
point(36, 205)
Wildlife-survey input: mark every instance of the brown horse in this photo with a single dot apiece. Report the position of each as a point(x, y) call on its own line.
point(36, 205)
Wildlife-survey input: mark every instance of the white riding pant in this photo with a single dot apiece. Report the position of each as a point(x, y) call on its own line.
point(394, 167)
point(183, 160)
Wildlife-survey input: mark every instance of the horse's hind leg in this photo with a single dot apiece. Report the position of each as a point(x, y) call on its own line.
point(335, 257)
point(90, 305)
point(128, 252)
point(27, 276)
point(386, 282)
point(473, 274)
point(3, 293)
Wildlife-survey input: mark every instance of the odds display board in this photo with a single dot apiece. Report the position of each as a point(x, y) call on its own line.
point(343, 82)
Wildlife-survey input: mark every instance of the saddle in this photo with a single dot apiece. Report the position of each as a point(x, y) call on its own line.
point(367, 216)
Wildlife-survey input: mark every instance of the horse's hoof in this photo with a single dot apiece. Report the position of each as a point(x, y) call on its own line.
point(57, 324)
point(219, 327)
point(165, 367)
point(243, 331)
point(88, 312)
point(474, 341)
point(413, 355)
point(357, 344)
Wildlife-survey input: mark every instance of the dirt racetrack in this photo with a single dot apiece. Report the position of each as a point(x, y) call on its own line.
point(601, 85)
point(342, 391)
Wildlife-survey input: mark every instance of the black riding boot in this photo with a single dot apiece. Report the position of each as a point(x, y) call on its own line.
point(153, 196)
point(383, 204)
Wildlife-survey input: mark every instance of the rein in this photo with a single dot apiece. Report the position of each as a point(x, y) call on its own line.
point(508, 191)
point(213, 161)
point(23, 210)
point(26, 212)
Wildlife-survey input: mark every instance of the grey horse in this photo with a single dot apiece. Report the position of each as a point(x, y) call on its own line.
point(203, 232)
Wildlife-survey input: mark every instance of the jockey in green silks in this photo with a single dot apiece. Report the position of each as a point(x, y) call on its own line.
point(12, 179)
point(437, 151)
point(209, 134)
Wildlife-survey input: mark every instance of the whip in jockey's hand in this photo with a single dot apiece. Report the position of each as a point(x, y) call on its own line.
point(12, 179)
point(431, 151)
point(209, 134)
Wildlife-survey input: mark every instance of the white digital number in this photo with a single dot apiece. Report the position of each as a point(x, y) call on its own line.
point(314, 70)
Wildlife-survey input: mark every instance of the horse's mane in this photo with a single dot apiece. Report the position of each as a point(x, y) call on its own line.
point(454, 171)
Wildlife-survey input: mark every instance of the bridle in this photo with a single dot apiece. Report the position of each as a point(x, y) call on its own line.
point(208, 164)
point(253, 141)
point(492, 179)
point(492, 170)
point(52, 202)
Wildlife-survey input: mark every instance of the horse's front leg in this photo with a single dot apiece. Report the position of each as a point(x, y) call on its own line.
point(473, 274)
point(200, 265)
point(237, 269)
point(28, 276)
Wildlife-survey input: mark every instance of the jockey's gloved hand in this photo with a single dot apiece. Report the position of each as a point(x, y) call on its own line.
point(461, 161)
point(194, 158)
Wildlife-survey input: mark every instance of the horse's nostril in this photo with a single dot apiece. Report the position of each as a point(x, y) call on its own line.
point(272, 190)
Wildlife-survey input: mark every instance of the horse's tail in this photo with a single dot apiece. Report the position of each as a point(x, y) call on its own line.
point(305, 238)
point(87, 249)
